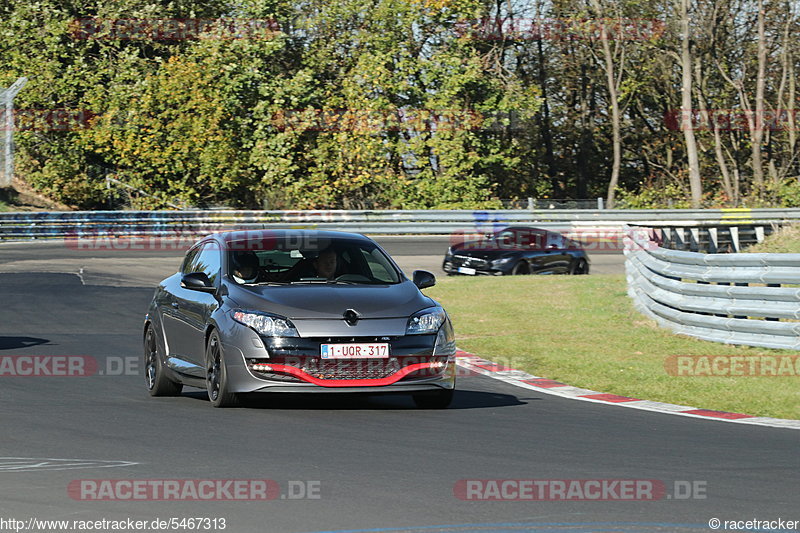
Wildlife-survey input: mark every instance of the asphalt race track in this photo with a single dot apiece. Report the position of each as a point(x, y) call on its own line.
point(101, 260)
point(371, 463)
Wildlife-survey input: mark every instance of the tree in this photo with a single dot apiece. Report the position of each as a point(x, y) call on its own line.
point(687, 110)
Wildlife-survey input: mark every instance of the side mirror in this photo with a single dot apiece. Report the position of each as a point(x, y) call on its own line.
point(197, 281)
point(423, 279)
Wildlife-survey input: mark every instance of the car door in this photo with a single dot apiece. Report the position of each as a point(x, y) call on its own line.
point(191, 310)
point(531, 243)
point(556, 259)
point(170, 303)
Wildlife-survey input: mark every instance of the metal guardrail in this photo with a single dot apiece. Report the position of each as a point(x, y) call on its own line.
point(21, 226)
point(713, 239)
point(738, 298)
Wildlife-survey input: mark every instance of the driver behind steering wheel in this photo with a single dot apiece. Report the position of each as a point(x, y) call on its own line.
point(325, 263)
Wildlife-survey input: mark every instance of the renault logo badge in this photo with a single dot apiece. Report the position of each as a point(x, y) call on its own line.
point(351, 317)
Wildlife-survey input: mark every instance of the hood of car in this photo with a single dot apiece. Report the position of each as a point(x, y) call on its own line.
point(321, 301)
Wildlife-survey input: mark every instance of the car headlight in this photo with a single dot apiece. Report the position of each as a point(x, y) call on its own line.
point(426, 321)
point(502, 261)
point(267, 325)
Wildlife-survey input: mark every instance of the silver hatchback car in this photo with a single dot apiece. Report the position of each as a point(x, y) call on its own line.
point(297, 311)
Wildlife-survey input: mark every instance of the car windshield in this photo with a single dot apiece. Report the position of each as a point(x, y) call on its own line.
point(533, 239)
point(520, 238)
point(311, 261)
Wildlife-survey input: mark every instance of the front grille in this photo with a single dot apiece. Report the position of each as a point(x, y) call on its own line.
point(472, 262)
point(344, 369)
point(353, 369)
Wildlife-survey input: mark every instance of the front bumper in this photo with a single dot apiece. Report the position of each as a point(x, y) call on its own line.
point(451, 266)
point(415, 363)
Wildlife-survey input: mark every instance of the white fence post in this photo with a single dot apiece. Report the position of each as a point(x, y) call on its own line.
point(7, 166)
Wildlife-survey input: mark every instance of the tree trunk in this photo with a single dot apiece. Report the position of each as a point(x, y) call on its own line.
point(545, 127)
point(702, 106)
point(585, 140)
point(613, 97)
point(695, 185)
point(757, 124)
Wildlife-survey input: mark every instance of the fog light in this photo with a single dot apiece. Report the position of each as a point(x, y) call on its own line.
point(437, 367)
point(261, 367)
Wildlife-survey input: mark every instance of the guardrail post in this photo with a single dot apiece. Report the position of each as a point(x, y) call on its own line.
point(734, 231)
point(600, 203)
point(666, 237)
point(759, 233)
point(694, 239)
point(713, 245)
point(680, 239)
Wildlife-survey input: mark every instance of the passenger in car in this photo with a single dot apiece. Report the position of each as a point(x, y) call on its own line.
point(246, 268)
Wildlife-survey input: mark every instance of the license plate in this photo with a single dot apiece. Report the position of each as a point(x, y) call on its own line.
point(355, 351)
point(466, 270)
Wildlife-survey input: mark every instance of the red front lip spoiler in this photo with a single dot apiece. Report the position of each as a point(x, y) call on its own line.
point(394, 378)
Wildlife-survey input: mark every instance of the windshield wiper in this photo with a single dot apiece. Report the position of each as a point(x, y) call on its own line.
point(323, 281)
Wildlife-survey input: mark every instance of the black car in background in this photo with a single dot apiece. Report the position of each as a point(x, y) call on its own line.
point(517, 251)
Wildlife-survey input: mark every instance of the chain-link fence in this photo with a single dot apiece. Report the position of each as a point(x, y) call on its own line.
point(552, 203)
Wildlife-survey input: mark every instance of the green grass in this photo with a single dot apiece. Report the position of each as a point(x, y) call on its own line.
point(3, 206)
point(785, 240)
point(584, 331)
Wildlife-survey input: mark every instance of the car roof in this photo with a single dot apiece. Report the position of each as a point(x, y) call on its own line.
point(525, 228)
point(280, 234)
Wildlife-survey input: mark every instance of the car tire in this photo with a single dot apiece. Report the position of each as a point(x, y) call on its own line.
point(158, 384)
point(579, 267)
point(440, 399)
point(521, 269)
point(217, 384)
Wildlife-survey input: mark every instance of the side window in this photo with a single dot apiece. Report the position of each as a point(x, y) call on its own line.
point(208, 261)
point(555, 240)
point(378, 266)
point(507, 240)
point(186, 267)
